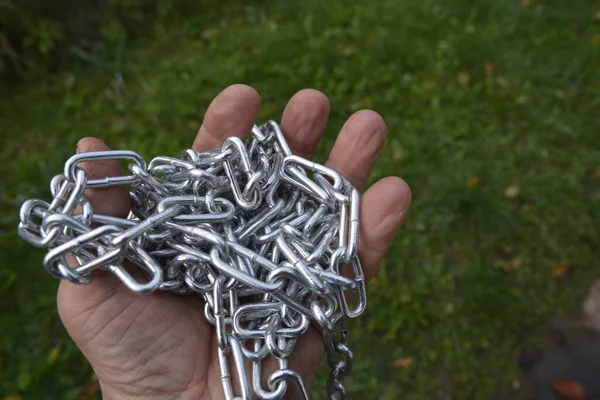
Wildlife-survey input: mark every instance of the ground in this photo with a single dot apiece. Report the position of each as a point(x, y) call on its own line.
point(492, 115)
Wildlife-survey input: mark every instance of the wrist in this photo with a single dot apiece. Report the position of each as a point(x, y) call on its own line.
point(135, 392)
point(109, 393)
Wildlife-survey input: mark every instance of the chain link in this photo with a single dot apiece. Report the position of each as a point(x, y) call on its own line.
point(260, 234)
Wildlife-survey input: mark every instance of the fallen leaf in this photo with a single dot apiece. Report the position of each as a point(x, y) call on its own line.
point(375, 281)
point(569, 390)
point(516, 262)
point(512, 191)
point(521, 99)
point(559, 270)
point(511, 264)
point(403, 362)
point(399, 156)
point(90, 390)
point(348, 51)
point(473, 182)
point(12, 398)
point(210, 33)
point(464, 78)
point(53, 355)
point(365, 102)
point(562, 271)
point(507, 259)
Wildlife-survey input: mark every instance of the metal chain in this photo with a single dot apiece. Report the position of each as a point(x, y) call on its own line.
point(260, 234)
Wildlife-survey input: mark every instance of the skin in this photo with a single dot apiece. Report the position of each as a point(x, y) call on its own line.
point(159, 346)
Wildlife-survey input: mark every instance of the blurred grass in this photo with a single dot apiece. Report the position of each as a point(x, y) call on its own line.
point(478, 97)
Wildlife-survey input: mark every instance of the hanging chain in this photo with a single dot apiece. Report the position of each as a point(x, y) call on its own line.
point(260, 234)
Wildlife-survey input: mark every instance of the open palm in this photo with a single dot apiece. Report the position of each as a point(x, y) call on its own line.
point(159, 346)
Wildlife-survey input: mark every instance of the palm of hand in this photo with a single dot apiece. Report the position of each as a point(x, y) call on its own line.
point(159, 346)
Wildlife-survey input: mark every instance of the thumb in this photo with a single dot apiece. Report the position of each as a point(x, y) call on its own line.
point(113, 201)
point(72, 299)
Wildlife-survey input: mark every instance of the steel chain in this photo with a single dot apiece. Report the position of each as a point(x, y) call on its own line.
point(260, 234)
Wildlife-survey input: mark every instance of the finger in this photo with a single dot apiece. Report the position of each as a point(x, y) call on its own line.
point(112, 201)
point(231, 113)
point(304, 120)
point(306, 359)
point(357, 147)
point(383, 209)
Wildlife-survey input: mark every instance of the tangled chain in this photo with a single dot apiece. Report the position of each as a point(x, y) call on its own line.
point(260, 233)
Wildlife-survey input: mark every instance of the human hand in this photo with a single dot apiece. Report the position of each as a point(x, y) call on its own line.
point(159, 346)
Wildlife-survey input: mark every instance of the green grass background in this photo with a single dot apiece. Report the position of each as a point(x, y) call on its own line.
point(478, 96)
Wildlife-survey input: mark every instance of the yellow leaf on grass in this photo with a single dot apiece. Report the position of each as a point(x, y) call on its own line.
point(209, 33)
point(53, 355)
point(348, 51)
point(562, 271)
point(521, 99)
point(511, 264)
point(464, 78)
point(512, 191)
point(516, 262)
point(12, 398)
point(91, 389)
point(365, 102)
point(507, 259)
point(559, 270)
point(375, 281)
point(473, 182)
point(404, 362)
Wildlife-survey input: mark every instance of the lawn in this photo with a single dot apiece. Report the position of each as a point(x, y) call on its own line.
point(492, 113)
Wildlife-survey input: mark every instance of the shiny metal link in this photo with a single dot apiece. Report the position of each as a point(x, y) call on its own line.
point(261, 235)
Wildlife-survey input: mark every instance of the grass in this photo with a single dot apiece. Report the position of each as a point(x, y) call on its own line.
point(492, 113)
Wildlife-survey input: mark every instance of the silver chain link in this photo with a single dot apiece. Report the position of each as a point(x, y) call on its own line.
point(260, 234)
